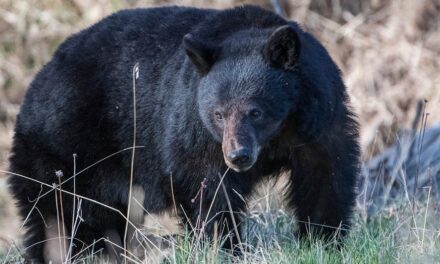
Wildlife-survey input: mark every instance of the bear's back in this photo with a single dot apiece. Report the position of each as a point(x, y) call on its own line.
point(93, 67)
point(127, 34)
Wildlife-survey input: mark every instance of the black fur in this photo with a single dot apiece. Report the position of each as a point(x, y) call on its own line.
point(81, 102)
point(283, 48)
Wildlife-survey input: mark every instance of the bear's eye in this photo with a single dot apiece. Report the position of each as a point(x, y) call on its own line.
point(218, 116)
point(255, 113)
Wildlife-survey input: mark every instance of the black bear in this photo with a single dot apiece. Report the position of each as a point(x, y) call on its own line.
point(223, 97)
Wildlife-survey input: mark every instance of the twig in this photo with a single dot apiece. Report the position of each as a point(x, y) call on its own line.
point(422, 133)
point(135, 77)
point(58, 222)
point(234, 223)
point(59, 174)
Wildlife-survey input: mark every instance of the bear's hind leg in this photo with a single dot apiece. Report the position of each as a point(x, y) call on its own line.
point(34, 237)
point(34, 198)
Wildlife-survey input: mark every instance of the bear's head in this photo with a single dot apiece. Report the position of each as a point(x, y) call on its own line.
point(248, 88)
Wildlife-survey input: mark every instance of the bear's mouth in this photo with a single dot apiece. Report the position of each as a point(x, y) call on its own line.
point(236, 168)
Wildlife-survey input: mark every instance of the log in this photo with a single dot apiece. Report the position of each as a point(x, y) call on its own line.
point(409, 170)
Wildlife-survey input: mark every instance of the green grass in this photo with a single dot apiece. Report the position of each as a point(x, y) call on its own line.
point(383, 239)
point(389, 237)
point(368, 243)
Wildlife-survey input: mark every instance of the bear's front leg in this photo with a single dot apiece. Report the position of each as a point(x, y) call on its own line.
point(322, 187)
point(214, 213)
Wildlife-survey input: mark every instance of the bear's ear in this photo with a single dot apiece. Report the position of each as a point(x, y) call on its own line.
point(202, 55)
point(282, 49)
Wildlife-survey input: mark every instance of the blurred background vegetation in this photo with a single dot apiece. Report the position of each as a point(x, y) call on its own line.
point(388, 51)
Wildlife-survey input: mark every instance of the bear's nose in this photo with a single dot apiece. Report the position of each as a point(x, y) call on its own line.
point(240, 157)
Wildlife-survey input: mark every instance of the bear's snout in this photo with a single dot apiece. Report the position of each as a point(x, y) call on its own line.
point(240, 146)
point(240, 160)
point(240, 157)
